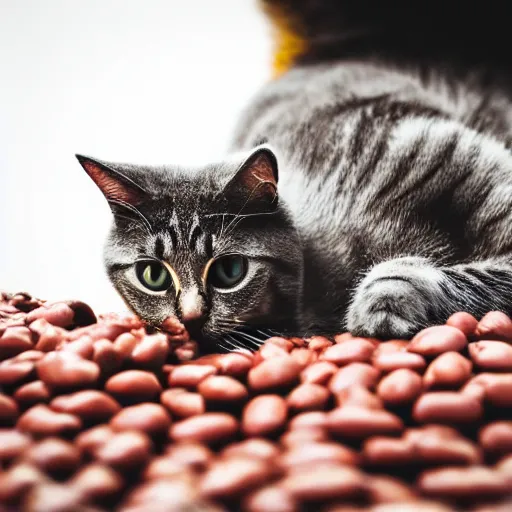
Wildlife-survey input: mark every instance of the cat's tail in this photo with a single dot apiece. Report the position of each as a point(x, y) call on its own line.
point(466, 33)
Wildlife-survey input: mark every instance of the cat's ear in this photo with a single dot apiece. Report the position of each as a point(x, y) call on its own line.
point(254, 186)
point(116, 187)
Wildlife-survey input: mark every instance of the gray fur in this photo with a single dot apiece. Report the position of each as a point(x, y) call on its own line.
point(394, 205)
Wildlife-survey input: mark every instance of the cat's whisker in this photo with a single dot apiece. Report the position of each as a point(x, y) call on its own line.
point(137, 212)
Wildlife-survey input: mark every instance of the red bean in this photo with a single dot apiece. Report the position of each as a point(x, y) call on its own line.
point(208, 428)
point(152, 351)
point(233, 476)
point(82, 346)
point(150, 418)
point(495, 325)
point(42, 421)
point(90, 405)
point(67, 370)
point(17, 481)
point(190, 375)
point(107, 356)
point(252, 448)
point(350, 351)
point(309, 420)
point(491, 355)
point(8, 409)
point(447, 407)
point(400, 387)
point(354, 374)
point(53, 455)
point(125, 450)
point(90, 440)
point(386, 489)
point(496, 437)
point(308, 397)
point(234, 364)
point(12, 444)
point(358, 422)
point(303, 356)
point(58, 314)
point(435, 340)
point(15, 340)
point(464, 322)
point(274, 373)
point(301, 436)
point(194, 456)
point(14, 372)
point(272, 498)
point(360, 396)
point(50, 336)
point(324, 482)
point(390, 361)
point(32, 393)
point(285, 344)
point(317, 453)
point(264, 415)
point(182, 403)
point(318, 373)
point(496, 388)
point(96, 482)
point(220, 388)
point(134, 383)
point(448, 370)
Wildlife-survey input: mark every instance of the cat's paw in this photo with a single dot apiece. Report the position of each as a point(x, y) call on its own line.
point(396, 299)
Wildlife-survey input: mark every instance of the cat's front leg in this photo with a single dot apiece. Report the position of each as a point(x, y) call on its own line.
point(397, 298)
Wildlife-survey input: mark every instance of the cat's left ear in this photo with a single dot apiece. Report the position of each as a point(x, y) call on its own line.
point(254, 186)
point(116, 186)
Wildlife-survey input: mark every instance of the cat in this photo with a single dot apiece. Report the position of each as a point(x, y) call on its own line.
point(368, 188)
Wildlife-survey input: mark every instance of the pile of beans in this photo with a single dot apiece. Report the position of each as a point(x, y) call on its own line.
point(104, 414)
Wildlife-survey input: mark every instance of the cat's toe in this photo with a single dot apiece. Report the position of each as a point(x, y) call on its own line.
point(384, 325)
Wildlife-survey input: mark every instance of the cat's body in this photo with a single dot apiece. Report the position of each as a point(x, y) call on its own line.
point(393, 210)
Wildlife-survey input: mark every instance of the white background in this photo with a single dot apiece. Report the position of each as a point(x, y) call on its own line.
point(144, 81)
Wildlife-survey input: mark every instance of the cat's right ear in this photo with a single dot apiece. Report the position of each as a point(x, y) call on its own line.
point(116, 187)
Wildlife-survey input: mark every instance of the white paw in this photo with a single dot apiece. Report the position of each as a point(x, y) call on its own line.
point(396, 299)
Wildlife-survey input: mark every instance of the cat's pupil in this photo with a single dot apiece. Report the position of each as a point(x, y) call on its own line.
point(228, 271)
point(153, 275)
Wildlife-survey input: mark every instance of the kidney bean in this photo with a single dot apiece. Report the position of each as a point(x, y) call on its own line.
point(234, 364)
point(209, 428)
point(150, 418)
point(301, 436)
point(89, 405)
point(496, 437)
point(448, 370)
point(152, 351)
point(491, 355)
point(317, 453)
point(269, 351)
point(359, 396)
point(58, 314)
point(350, 351)
point(309, 420)
point(42, 421)
point(187, 351)
point(173, 327)
point(29, 355)
point(35, 392)
point(220, 388)
point(107, 356)
point(52, 496)
point(354, 374)
point(464, 322)
point(15, 372)
point(379, 450)
point(388, 347)
point(50, 337)
point(125, 450)
point(182, 403)
point(470, 482)
point(96, 482)
point(400, 387)
point(15, 340)
point(386, 489)
point(84, 315)
point(17, 481)
point(308, 397)
point(272, 498)
point(496, 388)
point(436, 340)
point(233, 476)
point(318, 343)
point(192, 455)
point(324, 482)
point(126, 342)
point(304, 356)
point(12, 444)
point(391, 361)
point(66, 370)
point(495, 325)
point(446, 407)
point(318, 373)
point(275, 373)
point(190, 375)
point(264, 415)
point(8, 410)
point(82, 347)
point(180, 494)
point(358, 422)
point(134, 384)
point(258, 448)
point(90, 440)
point(165, 467)
point(283, 343)
point(53, 455)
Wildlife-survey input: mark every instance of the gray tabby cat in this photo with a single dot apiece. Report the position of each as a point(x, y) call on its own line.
point(364, 190)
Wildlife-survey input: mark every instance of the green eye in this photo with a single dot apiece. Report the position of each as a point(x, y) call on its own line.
point(153, 275)
point(227, 271)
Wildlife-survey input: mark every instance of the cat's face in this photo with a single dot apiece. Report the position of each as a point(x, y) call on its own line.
point(212, 246)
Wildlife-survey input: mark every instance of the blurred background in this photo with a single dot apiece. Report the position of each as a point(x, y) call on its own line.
point(153, 81)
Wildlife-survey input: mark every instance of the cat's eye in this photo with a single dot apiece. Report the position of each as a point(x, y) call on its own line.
point(227, 271)
point(153, 275)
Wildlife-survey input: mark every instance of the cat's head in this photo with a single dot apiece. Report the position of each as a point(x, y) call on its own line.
point(213, 246)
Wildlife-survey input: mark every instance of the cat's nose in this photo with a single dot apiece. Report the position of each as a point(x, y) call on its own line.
point(191, 307)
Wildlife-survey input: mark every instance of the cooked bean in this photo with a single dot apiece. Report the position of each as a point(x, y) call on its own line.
point(53, 455)
point(14, 372)
point(150, 418)
point(32, 393)
point(447, 407)
point(448, 370)
point(134, 384)
point(273, 498)
point(276, 373)
point(318, 373)
point(350, 351)
point(264, 415)
point(183, 403)
point(400, 359)
point(464, 322)
point(308, 397)
point(96, 482)
point(207, 428)
point(15, 340)
point(82, 346)
point(495, 325)
point(190, 375)
point(221, 388)
point(67, 370)
point(317, 453)
point(8, 409)
point(354, 374)
point(42, 421)
point(90, 440)
point(90, 405)
point(491, 355)
point(496, 437)
point(400, 387)
point(125, 450)
point(12, 444)
point(435, 340)
point(151, 351)
point(193, 455)
point(252, 448)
